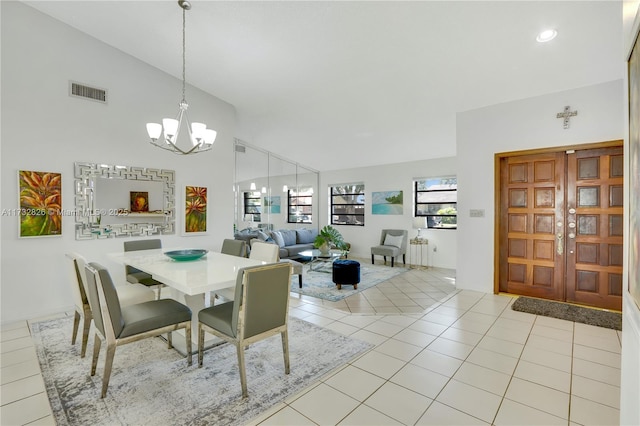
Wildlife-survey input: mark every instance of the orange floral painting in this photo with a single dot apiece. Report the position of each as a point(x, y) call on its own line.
point(139, 201)
point(40, 203)
point(195, 215)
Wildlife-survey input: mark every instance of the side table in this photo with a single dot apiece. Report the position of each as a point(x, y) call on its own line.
point(418, 245)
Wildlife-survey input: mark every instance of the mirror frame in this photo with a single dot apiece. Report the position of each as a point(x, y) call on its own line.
point(87, 227)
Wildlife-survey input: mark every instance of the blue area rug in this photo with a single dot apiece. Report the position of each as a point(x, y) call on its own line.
point(318, 284)
point(152, 385)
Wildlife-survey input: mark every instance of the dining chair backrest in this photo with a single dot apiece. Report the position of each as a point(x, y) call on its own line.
point(234, 247)
point(78, 280)
point(142, 244)
point(98, 277)
point(267, 252)
point(261, 299)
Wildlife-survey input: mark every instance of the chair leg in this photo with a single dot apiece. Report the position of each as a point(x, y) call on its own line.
point(300, 280)
point(372, 262)
point(169, 340)
point(200, 344)
point(96, 352)
point(108, 363)
point(76, 323)
point(85, 335)
point(392, 261)
point(187, 332)
point(404, 260)
point(285, 351)
point(243, 373)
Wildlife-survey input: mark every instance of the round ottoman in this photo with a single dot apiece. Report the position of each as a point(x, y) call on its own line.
point(346, 272)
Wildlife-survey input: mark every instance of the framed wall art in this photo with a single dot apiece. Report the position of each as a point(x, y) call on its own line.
point(388, 202)
point(195, 214)
point(40, 203)
point(272, 204)
point(139, 201)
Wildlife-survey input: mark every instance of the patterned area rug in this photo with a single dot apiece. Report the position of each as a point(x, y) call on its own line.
point(569, 312)
point(319, 284)
point(152, 385)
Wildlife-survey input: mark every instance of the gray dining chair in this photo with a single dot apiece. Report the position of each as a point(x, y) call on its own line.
point(259, 310)
point(127, 294)
point(118, 325)
point(137, 276)
point(393, 243)
point(266, 252)
point(234, 247)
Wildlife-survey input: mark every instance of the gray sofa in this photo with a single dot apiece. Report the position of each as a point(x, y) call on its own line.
point(290, 241)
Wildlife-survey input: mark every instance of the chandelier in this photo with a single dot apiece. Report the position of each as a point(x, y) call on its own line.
point(200, 138)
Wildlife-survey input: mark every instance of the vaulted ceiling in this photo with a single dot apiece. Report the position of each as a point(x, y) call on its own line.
point(340, 84)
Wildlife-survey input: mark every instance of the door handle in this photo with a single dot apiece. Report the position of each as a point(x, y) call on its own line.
point(560, 249)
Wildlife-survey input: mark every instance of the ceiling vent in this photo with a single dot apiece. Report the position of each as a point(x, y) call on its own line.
point(87, 92)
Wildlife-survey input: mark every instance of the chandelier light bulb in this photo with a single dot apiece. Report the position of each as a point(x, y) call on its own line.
point(154, 130)
point(210, 136)
point(170, 126)
point(197, 133)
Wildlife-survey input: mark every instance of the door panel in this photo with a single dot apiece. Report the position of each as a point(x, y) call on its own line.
point(594, 223)
point(531, 203)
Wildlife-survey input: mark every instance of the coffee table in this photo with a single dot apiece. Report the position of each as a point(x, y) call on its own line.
point(320, 260)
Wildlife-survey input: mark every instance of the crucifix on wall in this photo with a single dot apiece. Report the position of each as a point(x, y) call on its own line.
point(566, 115)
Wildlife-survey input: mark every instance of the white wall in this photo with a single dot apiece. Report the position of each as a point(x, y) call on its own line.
point(391, 177)
point(44, 129)
point(513, 126)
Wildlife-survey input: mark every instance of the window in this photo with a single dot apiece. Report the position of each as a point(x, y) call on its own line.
point(252, 206)
point(347, 205)
point(436, 199)
point(300, 205)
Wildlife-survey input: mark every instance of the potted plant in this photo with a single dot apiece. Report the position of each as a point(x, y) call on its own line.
point(328, 238)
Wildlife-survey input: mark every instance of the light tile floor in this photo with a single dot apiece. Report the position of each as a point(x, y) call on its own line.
point(442, 357)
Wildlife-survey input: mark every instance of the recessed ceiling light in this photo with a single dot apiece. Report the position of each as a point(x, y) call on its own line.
point(546, 35)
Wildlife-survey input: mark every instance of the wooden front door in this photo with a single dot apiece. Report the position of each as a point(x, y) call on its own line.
point(560, 226)
point(594, 233)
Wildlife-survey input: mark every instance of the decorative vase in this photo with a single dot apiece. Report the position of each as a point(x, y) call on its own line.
point(324, 248)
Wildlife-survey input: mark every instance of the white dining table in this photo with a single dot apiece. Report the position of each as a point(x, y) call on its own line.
point(191, 282)
point(212, 272)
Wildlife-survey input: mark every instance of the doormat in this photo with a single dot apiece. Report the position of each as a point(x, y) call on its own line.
point(566, 311)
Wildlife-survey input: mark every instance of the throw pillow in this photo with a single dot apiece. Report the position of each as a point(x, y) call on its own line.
point(306, 236)
point(289, 236)
point(277, 237)
point(393, 240)
point(262, 236)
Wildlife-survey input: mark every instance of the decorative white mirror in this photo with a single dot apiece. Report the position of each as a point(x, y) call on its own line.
point(122, 201)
